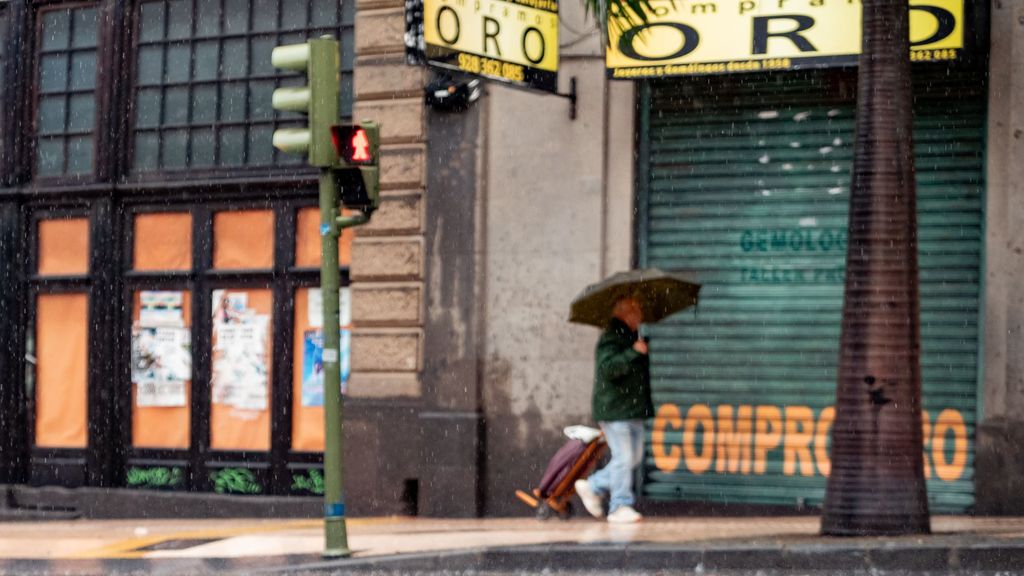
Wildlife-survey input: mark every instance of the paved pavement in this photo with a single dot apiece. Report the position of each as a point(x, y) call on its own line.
point(668, 545)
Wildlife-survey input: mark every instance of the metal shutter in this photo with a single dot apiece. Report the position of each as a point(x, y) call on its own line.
point(744, 180)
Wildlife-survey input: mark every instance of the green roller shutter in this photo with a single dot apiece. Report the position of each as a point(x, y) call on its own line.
point(745, 181)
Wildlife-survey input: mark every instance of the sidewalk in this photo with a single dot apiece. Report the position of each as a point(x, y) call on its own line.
point(683, 545)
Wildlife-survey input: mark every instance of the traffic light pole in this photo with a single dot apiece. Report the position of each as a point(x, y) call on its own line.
point(321, 60)
point(336, 535)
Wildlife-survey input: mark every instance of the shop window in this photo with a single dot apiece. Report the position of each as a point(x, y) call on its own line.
point(161, 369)
point(307, 240)
point(307, 367)
point(162, 241)
point(61, 370)
point(63, 247)
point(243, 240)
point(204, 80)
point(241, 371)
point(66, 91)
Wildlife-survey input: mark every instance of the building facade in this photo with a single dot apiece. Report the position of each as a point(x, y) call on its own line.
point(743, 180)
point(141, 199)
point(161, 259)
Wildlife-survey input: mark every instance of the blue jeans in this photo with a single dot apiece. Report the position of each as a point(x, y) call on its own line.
point(626, 441)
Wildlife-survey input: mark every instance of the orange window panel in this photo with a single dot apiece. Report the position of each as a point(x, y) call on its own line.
point(165, 427)
point(307, 240)
point(307, 421)
point(63, 247)
point(163, 241)
point(62, 360)
point(243, 239)
point(235, 424)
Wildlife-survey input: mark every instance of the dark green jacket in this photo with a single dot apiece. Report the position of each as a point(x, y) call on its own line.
point(622, 380)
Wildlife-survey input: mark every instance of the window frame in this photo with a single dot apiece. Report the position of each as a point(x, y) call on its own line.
point(297, 171)
point(113, 135)
point(46, 460)
point(7, 85)
point(274, 467)
point(104, 85)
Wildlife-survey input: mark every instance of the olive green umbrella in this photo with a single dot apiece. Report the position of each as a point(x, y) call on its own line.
point(659, 293)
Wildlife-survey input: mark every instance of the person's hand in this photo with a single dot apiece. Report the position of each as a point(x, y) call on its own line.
point(640, 346)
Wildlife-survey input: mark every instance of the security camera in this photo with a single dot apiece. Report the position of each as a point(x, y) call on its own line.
point(446, 94)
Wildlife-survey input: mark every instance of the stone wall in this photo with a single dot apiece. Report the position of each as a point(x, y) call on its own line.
point(387, 255)
point(1000, 436)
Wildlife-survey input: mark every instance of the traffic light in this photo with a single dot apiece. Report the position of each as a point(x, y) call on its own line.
point(320, 59)
point(357, 172)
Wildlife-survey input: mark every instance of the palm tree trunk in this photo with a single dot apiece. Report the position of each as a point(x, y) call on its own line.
point(877, 481)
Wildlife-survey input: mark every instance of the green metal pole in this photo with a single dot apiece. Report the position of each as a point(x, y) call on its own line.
point(336, 535)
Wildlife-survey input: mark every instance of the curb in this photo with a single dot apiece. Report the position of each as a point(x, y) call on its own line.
point(976, 558)
point(832, 558)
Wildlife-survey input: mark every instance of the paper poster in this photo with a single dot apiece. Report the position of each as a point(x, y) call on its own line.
point(161, 364)
point(315, 309)
point(231, 307)
point(313, 366)
point(240, 378)
point(161, 308)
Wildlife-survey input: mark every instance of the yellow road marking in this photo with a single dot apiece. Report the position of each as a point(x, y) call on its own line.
point(129, 548)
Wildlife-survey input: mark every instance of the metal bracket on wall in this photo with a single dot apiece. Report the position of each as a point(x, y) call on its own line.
point(571, 96)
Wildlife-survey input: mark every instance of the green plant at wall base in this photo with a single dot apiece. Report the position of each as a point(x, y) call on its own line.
point(159, 477)
point(313, 483)
point(235, 481)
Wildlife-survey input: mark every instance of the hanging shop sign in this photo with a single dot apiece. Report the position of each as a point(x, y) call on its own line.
point(512, 41)
point(684, 38)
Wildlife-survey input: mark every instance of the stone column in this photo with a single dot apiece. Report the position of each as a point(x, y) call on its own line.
point(999, 478)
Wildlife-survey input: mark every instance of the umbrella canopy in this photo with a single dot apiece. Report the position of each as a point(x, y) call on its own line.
point(659, 293)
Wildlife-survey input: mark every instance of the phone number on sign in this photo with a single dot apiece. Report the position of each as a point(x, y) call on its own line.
point(932, 55)
point(489, 67)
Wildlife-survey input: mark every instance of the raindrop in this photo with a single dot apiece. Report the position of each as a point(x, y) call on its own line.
point(837, 142)
point(766, 192)
point(833, 113)
point(764, 159)
point(808, 222)
point(794, 144)
point(768, 114)
point(834, 191)
point(800, 117)
point(835, 168)
point(825, 149)
point(760, 142)
point(787, 166)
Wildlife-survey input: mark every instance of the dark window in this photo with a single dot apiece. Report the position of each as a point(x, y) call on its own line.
point(66, 91)
point(4, 23)
point(203, 78)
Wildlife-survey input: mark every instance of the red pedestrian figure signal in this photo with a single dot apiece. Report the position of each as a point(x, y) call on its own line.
point(360, 146)
point(353, 144)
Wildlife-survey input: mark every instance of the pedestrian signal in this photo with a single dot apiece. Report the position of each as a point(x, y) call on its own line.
point(354, 145)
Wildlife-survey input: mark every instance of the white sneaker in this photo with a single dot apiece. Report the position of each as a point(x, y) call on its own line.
point(624, 515)
point(591, 501)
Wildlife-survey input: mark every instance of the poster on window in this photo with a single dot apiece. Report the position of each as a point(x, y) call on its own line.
point(315, 308)
point(161, 308)
point(240, 376)
point(313, 366)
point(161, 364)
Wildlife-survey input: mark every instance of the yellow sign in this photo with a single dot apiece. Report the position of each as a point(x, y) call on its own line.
point(741, 439)
point(686, 37)
point(513, 41)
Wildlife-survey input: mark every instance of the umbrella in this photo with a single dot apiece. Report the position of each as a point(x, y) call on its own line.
point(660, 294)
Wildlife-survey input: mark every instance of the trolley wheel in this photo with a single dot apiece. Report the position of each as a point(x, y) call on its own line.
point(544, 511)
point(567, 513)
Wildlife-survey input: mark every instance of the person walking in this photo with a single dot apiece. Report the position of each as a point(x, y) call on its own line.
point(621, 403)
